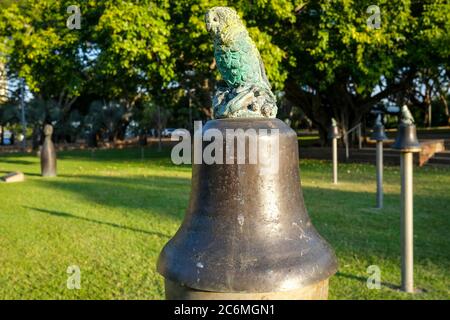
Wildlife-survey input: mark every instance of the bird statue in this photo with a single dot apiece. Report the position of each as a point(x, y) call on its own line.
point(245, 91)
point(379, 120)
point(406, 117)
point(334, 122)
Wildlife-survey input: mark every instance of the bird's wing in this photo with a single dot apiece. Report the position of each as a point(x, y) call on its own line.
point(228, 64)
point(256, 63)
point(239, 63)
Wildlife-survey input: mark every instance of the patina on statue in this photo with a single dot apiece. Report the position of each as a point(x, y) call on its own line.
point(246, 233)
point(246, 92)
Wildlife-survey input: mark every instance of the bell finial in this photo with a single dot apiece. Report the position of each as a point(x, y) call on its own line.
point(406, 117)
point(379, 120)
point(378, 133)
point(334, 130)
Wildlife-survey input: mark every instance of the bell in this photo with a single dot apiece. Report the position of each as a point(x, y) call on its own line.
point(333, 132)
point(406, 139)
point(378, 133)
point(246, 233)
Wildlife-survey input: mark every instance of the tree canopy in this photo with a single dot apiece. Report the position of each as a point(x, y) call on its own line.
point(324, 58)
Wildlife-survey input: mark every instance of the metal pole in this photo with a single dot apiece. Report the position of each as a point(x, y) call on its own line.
point(406, 163)
point(335, 162)
point(159, 128)
point(22, 107)
point(347, 154)
point(359, 137)
point(379, 174)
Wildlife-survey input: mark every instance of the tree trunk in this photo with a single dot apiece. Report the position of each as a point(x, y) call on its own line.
point(446, 109)
point(36, 137)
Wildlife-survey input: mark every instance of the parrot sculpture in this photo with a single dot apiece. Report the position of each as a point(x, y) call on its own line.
point(379, 120)
point(406, 117)
point(246, 92)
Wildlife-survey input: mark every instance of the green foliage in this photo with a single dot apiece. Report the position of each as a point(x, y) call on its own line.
point(104, 118)
point(9, 114)
point(133, 41)
point(41, 111)
point(40, 48)
point(322, 54)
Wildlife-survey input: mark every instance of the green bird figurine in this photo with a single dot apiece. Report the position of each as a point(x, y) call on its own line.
point(246, 92)
point(406, 117)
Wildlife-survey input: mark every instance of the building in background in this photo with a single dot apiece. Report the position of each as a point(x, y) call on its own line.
point(3, 96)
point(3, 83)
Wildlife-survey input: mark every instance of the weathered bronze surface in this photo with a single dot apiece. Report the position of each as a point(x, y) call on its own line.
point(333, 132)
point(247, 230)
point(48, 154)
point(246, 92)
point(378, 133)
point(406, 140)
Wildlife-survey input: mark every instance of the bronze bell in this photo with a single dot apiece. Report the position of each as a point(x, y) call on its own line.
point(378, 133)
point(333, 132)
point(406, 139)
point(246, 233)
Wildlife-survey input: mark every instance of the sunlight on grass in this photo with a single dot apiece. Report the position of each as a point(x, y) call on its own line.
point(110, 213)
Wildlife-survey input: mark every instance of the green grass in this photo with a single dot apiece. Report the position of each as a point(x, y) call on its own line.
point(110, 214)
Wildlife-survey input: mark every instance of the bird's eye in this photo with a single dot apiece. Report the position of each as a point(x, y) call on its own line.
point(215, 19)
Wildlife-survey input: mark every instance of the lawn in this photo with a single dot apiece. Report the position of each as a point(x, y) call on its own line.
point(110, 213)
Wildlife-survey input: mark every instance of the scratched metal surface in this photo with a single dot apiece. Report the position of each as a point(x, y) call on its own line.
point(406, 139)
point(246, 229)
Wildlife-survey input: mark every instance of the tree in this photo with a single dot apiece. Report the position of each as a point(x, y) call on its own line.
point(133, 58)
point(41, 50)
point(344, 67)
point(322, 57)
point(120, 53)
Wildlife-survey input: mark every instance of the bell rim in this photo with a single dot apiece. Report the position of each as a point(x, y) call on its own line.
point(407, 149)
point(327, 272)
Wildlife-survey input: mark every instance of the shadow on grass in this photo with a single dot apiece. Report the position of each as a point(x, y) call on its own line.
point(71, 216)
point(32, 174)
point(349, 221)
point(15, 161)
point(364, 280)
point(126, 154)
point(346, 219)
point(167, 196)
